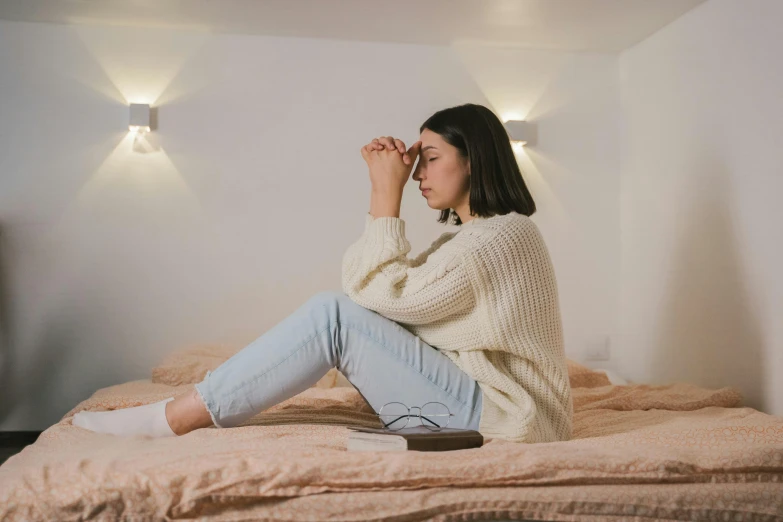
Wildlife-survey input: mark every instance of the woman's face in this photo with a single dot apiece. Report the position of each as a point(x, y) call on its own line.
point(443, 171)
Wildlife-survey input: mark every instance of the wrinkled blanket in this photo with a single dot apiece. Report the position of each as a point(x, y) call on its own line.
point(677, 452)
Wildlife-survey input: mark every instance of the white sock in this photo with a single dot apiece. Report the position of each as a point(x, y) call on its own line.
point(149, 419)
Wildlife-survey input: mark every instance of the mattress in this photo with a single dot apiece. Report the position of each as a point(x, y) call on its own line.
point(639, 452)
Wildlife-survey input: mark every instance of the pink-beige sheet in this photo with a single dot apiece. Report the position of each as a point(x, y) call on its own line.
point(639, 452)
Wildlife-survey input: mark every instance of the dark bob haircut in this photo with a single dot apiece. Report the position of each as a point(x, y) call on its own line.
point(496, 184)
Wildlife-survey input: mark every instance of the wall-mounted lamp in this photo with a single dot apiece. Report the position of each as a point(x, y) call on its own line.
point(521, 131)
point(139, 117)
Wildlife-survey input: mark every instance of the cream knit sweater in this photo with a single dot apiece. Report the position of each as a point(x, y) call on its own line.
point(486, 297)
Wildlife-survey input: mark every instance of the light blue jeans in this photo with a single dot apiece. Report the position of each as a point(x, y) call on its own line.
point(381, 359)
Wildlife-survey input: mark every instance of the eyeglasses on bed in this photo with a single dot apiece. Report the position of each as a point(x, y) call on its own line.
point(433, 415)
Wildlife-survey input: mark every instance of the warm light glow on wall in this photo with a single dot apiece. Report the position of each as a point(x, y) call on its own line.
point(512, 116)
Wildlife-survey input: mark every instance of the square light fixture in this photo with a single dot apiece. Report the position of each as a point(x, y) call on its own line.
point(521, 131)
point(139, 117)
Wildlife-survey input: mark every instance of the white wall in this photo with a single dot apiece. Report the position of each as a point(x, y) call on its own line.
point(702, 247)
point(239, 207)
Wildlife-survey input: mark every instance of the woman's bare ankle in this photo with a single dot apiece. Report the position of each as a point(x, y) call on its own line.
point(187, 413)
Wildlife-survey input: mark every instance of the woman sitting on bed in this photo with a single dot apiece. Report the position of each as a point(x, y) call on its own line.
point(473, 322)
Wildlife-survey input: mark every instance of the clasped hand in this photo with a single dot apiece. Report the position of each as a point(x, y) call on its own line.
point(390, 164)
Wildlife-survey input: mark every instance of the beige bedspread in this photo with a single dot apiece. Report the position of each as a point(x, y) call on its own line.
point(676, 452)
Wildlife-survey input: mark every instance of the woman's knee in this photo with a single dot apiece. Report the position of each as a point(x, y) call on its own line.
point(330, 299)
point(336, 303)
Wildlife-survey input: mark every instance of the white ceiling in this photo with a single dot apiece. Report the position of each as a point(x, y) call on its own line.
point(574, 25)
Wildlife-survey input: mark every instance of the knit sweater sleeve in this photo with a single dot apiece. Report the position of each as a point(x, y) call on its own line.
point(378, 275)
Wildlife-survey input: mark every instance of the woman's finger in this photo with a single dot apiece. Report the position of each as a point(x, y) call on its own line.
point(400, 146)
point(369, 148)
point(388, 142)
point(377, 145)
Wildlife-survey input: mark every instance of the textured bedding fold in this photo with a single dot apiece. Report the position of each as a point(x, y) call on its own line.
point(636, 436)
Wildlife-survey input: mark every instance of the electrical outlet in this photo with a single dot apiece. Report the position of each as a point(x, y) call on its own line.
point(597, 349)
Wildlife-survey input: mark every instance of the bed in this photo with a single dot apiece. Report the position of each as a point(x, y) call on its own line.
point(639, 452)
